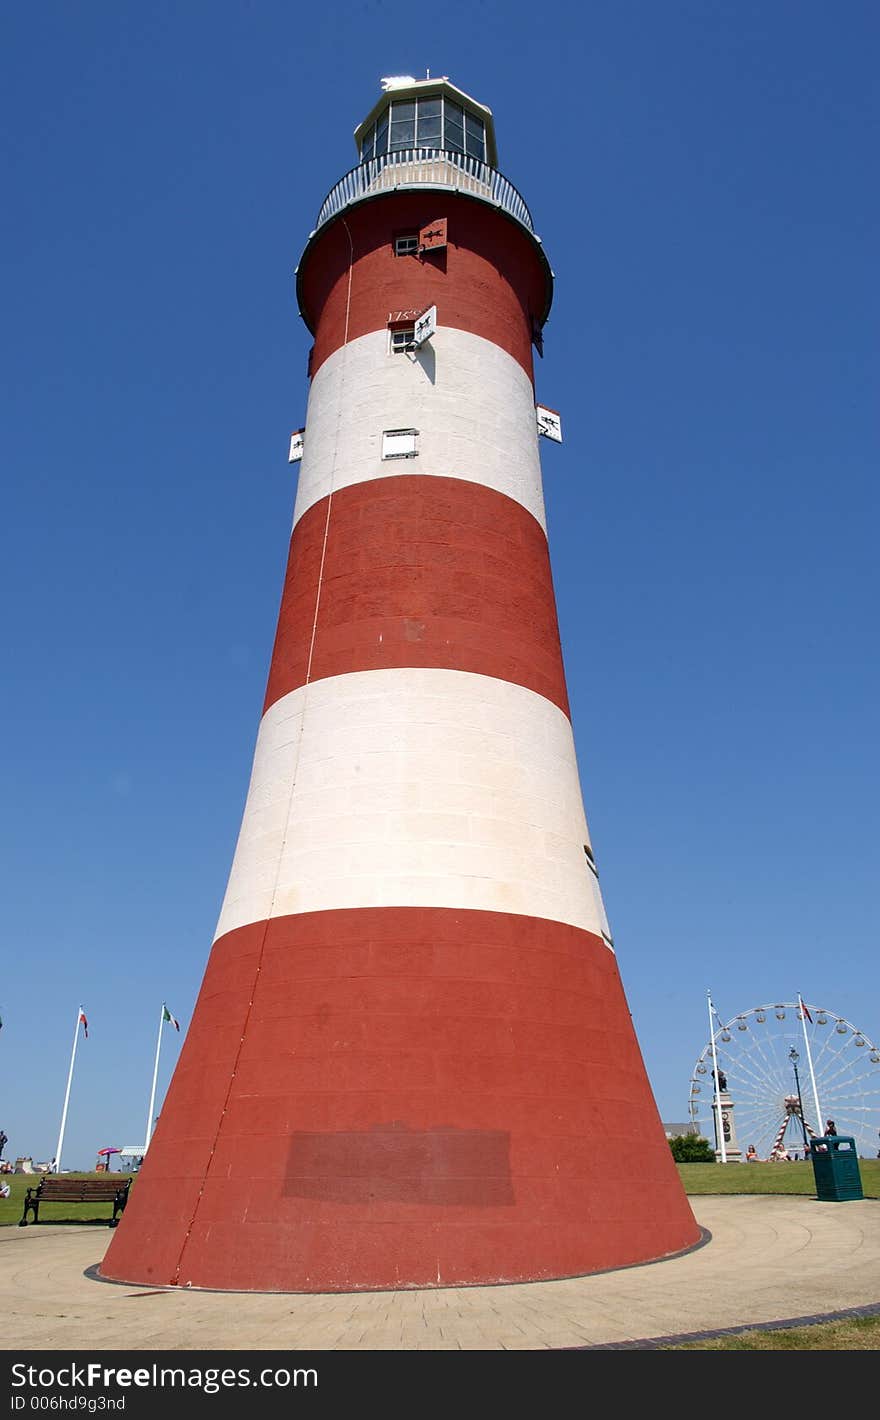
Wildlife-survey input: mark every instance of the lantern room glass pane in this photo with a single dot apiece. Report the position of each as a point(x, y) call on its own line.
point(429, 123)
point(476, 139)
point(453, 127)
point(428, 135)
point(402, 134)
point(403, 126)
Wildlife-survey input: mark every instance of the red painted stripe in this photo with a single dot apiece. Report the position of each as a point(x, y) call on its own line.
point(419, 571)
point(404, 1097)
point(491, 279)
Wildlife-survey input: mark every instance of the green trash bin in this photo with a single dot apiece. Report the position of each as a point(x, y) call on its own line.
point(836, 1168)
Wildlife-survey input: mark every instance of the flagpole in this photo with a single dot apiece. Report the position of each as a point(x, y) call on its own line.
point(155, 1077)
point(719, 1124)
point(820, 1128)
point(79, 1014)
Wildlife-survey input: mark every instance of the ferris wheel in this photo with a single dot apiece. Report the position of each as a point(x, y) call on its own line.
point(786, 1075)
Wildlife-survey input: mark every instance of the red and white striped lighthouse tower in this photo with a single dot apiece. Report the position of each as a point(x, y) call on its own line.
point(411, 1062)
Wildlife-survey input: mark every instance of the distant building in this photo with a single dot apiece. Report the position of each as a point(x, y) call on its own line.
point(675, 1131)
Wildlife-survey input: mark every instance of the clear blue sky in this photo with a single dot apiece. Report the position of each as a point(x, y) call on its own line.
point(703, 176)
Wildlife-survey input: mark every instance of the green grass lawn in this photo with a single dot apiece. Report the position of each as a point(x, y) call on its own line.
point(697, 1179)
point(767, 1178)
point(11, 1208)
point(851, 1334)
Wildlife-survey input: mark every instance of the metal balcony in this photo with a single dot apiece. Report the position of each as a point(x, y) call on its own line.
point(425, 167)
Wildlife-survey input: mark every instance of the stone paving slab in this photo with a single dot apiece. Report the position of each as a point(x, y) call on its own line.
point(765, 1260)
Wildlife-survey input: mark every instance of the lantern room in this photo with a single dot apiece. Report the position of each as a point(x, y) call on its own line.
point(418, 115)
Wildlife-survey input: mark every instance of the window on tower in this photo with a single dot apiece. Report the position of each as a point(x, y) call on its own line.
point(406, 246)
point(399, 443)
point(403, 337)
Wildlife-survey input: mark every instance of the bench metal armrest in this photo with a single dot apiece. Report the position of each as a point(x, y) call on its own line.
point(31, 1205)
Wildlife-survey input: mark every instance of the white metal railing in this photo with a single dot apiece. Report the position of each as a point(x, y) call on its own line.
point(425, 167)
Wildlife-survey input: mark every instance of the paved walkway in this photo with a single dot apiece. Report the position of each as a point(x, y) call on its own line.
point(765, 1260)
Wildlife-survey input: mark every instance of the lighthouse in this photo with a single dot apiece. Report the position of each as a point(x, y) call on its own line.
point(411, 1062)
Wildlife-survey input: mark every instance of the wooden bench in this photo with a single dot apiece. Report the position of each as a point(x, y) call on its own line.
point(58, 1188)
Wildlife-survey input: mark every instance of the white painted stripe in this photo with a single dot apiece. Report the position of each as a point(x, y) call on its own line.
point(413, 788)
point(473, 404)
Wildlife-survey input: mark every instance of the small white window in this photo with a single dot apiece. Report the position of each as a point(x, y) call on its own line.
point(406, 246)
point(399, 443)
point(403, 337)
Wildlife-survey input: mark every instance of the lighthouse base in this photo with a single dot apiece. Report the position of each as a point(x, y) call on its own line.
point(390, 1098)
